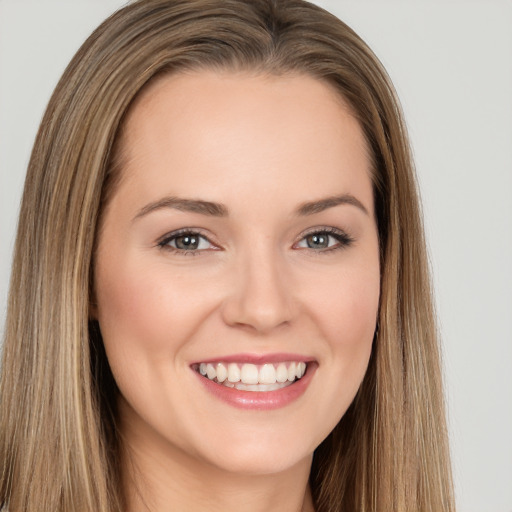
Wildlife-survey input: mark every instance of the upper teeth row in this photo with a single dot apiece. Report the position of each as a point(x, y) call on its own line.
point(253, 374)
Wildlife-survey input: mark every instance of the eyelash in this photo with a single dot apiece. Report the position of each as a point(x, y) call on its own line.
point(344, 240)
point(164, 243)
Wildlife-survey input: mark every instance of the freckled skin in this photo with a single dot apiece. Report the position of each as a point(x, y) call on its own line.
point(261, 146)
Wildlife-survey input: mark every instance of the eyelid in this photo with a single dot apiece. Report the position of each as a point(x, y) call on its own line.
point(168, 237)
point(344, 239)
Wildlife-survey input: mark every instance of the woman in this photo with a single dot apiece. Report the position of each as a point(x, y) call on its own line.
point(220, 291)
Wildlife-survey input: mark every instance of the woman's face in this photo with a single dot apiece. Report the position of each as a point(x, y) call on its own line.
point(241, 242)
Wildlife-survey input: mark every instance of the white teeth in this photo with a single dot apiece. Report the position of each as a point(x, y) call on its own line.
point(233, 372)
point(251, 377)
point(292, 372)
point(281, 373)
point(249, 374)
point(267, 374)
point(210, 371)
point(260, 387)
point(222, 373)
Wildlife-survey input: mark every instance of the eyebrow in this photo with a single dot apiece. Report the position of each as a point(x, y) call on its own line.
point(185, 205)
point(213, 209)
point(312, 207)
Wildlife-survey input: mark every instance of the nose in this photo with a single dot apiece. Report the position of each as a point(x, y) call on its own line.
point(260, 298)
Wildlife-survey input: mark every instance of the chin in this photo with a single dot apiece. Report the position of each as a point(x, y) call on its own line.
point(260, 451)
point(261, 463)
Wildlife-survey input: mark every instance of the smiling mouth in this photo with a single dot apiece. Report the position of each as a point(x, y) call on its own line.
point(252, 377)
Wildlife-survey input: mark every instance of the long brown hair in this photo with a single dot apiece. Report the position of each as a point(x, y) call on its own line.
point(58, 441)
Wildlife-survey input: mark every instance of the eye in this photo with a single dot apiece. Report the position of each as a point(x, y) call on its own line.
point(186, 242)
point(325, 239)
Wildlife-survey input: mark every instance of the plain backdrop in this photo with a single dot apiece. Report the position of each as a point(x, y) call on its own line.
point(451, 62)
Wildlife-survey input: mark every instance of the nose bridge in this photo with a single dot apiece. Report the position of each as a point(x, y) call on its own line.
point(260, 296)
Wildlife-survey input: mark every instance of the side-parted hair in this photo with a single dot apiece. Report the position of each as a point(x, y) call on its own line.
point(59, 447)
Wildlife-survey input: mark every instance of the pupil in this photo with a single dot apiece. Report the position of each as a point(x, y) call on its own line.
point(317, 241)
point(187, 242)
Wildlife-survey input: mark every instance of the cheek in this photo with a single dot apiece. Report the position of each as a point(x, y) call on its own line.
point(144, 315)
point(351, 335)
point(348, 312)
point(347, 317)
point(355, 318)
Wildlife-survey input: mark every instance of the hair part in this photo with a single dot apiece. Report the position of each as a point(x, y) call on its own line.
point(59, 446)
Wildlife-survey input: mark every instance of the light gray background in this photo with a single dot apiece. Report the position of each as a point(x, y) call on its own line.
point(451, 62)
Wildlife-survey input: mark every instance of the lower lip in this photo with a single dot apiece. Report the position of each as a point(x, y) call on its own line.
point(260, 400)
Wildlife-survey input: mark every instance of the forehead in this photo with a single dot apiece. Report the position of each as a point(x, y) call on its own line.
point(196, 133)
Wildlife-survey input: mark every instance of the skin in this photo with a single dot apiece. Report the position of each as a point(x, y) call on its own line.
point(262, 146)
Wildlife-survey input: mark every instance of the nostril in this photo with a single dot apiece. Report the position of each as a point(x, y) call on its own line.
point(260, 302)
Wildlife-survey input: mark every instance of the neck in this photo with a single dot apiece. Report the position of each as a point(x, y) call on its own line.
point(158, 478)
point(154, 484)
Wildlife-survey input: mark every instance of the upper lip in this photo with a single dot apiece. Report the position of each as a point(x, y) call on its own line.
point(257, 358)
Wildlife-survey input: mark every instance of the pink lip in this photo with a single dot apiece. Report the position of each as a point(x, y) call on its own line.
point(260, 400)
point(257, 358)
